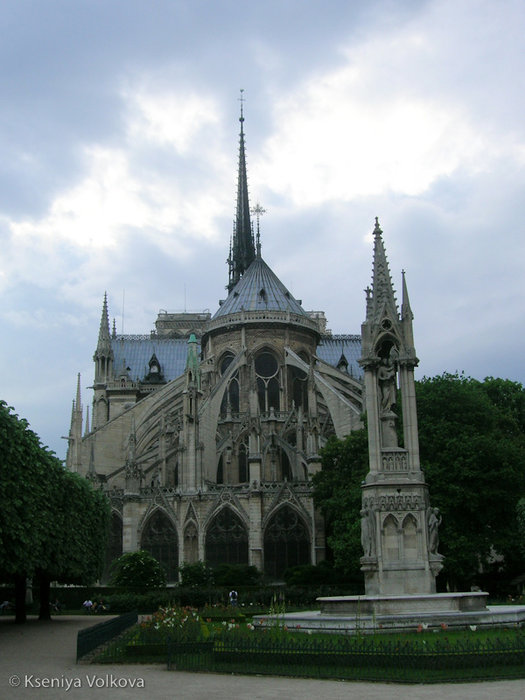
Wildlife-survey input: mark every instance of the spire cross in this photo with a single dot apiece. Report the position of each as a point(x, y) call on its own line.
point(258, 210)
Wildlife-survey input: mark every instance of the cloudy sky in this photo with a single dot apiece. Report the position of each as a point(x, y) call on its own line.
point(119, 137)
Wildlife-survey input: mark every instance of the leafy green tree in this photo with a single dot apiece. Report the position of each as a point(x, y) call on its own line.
point(472, 446)
point(77, 535)
point(52, 523)
point(196, 575)
point(25, 472)
point(139, 570)
point(337, 492)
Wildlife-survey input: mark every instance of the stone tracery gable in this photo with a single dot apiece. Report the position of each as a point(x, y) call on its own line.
point(286, 496)
point(226, 497)
point(158, 502)
point(191, 514)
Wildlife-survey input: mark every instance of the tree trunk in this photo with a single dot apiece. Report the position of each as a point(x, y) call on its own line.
point(20, 598)
point(44, 584)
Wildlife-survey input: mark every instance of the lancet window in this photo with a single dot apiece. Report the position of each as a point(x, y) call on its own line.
point(298, 387)
point(286, 542)
point(226, 539)
point(159, 538)
point(268, 388)
point(230, 400)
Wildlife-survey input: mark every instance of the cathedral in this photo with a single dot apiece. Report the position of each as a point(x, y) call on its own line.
point(205, 432)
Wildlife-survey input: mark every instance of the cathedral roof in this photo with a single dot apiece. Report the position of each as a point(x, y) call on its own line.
point(133, 353)
point(332, 347)
point(259, 289)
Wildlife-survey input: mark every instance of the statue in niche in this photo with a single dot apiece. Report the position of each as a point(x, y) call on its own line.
point(368, 532)
point(433, 521)
point(386, 376)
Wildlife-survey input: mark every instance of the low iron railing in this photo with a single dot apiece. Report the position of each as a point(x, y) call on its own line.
point(92, 637)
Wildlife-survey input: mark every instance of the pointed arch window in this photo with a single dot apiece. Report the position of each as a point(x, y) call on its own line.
point(286, 542)
point(268, 388)
point(159, 538)
point(220, 471)
point(226, 539)
point(230, 400)
point(243, 463)
point(299, 387)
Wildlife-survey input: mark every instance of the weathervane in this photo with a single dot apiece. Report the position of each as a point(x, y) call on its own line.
point(241, 100)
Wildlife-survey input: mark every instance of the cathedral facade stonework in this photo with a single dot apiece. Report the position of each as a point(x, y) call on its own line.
point(205, 433)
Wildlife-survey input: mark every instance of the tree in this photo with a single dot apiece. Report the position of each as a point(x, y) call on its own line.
point(337, 492)
point(139, 570)
point(53, 524)
point(77, 535)
point(472, 446)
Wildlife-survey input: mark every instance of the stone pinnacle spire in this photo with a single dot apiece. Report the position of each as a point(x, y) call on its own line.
point(243, 248)
point(382, 301)
point(104, 338)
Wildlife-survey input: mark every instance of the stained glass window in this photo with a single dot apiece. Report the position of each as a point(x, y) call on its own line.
point(226, 539)
point(286, 542)
point(159, 538)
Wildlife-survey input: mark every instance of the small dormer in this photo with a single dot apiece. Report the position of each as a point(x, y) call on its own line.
point(342, 364)
point(154, 375)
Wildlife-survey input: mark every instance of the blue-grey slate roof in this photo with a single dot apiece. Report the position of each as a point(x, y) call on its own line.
point(259, 289)
point(331, 348)
point(135, 352)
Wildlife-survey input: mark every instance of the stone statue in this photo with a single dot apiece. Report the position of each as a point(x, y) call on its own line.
point(434, 521)
point(368, 532)
point(386, 376)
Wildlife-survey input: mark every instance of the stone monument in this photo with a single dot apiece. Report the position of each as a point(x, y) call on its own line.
point(399, 526)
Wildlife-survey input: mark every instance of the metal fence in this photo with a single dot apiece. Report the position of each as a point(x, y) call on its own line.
point(373, 662)
point(92, 637)
point(348, 658)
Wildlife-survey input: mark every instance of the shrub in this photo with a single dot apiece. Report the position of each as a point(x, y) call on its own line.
point(236, 575)
point(138, 570)
point(197, 574)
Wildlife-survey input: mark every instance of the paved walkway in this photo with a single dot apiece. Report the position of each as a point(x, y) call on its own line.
point(43, 652)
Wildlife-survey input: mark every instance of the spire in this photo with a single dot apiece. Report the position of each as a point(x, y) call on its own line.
point(243, 249)
point(104, 338)
point(381, 302)
point(406, 310)
point(78, 402)
point(406, 320)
